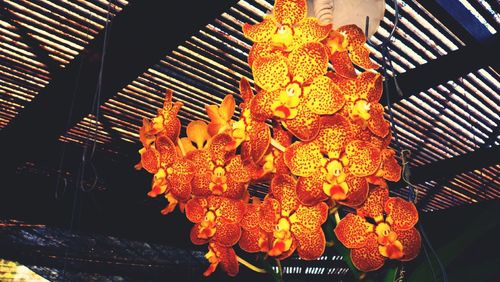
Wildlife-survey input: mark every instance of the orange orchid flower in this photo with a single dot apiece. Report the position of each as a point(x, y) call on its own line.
point(362, 100)
point(253, 238)
point(217, 219)
point(292, 224)
point(224, 256)
point(287, 28)
point(346, 46)
point(219, 171)
point(166, 121)
point(333, 165)
point(392, 236)
point(172, 173)
point(295, 90)
point(220, 116)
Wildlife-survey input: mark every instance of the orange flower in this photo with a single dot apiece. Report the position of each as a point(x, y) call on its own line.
point(295, 90)
point(362, 100)
point(287, 27)
point(220, 116)
point(217, 219)
point(166, 121)
point(253, 239)
point(392, 235)
point(333, 165)
point(292, 224)
point(172, 173)
point(346, 46)
point(219, 171)
point(224, 256)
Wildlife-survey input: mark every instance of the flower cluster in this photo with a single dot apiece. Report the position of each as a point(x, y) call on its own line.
point(317, 136)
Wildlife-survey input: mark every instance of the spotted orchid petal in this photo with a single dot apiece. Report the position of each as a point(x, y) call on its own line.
point(270, 73)
point(220, 116)
point(289, 12)
point(166, 149)
point(323, 97)
point(334, 135)
point(283, 190)
point(150, 159)
point(227, 234)
point(310, 218)
point(402, 214)
point(260, 140)
point(357, 192)
point(374, 205)
point(353, 231)
point(195, 209)
point(249, 240)
point(305, 125)
point(389, 168)
point(308, 62)
point(360, 54)
point(260, 106)
point(303, 159)
point(260, 32)
point(311, 244)
point(411, 241)
point(310, 189)
point(342, 64)
point(368, 257)
point(310, 30)
point(269, 214)
point(264, 49)
point(377, 124)
point(364, 158)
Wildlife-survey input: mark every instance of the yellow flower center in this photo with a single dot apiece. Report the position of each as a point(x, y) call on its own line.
point(207, 226)
point(337, 42)
point(218, 181)
point(282, 237)
point(283, 37)
point(361, 109)
point(286, 104)
point(389, 246)
point(335, 185)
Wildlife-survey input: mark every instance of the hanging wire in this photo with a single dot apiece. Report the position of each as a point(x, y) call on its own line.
point(404, 153)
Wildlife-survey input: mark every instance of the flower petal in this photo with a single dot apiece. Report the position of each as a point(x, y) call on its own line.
point(193, 235)
point(260, 32)
point(389, 169)
point(246, 91)
point(180, 191)
point(269, 214)
point(262, 50)
point(303, 159)
point(358, 191)
point(368, 258)
point(411, 243)
point(227, 234)
point(374, 205)
point(334, 134)
point(323, 97)
point(236, 170)
point(305, 125)
point(283, 190)
point(308, 61)
point(310, 30)
point(231, 211)
point(250, 220)
point(200, 184)
point(290, 12)
point(235, 189)
point(360, 54)
point(377, 124)
point(270, 73)
point(219, 148)
point(195, 209)
point(310, 189)
point(310, 218)
point(402, 214)
point(260, 139)
point(182, 171)
point(374, 80)
point(311, 243)
point(197, 132)
point(364, 158)
point(353, 230)
point(166, 149)
point(342, 64)
point(228, 260)
point(150, 159)
point(260, 106)
point(249, 240)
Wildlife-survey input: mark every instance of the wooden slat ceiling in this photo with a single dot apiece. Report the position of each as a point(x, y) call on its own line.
point(59, 28)
point(446, 120)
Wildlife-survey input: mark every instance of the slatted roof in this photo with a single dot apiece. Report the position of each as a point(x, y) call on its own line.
point(446, 120)
point(38, 38)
